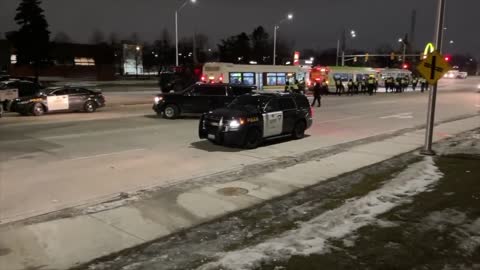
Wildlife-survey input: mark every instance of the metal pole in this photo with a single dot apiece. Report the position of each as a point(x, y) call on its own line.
point(338, 52)
point(343, 58)
point(433, 93)
point(176, 38)
point(404, 53)
point(274, 44)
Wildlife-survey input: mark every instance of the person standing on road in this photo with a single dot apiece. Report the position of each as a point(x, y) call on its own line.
point(414, 83)
point(404, 84)
point(350, 87)
point(355, 86)
point(1, 109)
point(317, 90)
point(371, 85)
point(398, 85)
point(287, 86)
point(324, 87)
point(423, 84)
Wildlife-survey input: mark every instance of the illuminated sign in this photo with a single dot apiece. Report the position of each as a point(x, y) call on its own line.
point(430, 48)
point(296, 58)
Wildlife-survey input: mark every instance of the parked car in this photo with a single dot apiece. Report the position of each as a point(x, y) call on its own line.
point(252, 118)
point(60, 99)
point(198, 98)
point(12, 89)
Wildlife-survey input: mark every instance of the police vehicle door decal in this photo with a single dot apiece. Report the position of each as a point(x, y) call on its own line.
point(272, 123)
point(57, 103)
point(9, 94)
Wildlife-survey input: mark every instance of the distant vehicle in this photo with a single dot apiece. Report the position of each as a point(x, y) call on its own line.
point(60, 99)
point(264, 77)
point(12, 89)
point(198, 98)
point(252, 118)
point(178, 78)
point(455, 74)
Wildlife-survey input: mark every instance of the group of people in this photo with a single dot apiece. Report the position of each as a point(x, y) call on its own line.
point(399, 85)
point(362, 86)
point(295, 87)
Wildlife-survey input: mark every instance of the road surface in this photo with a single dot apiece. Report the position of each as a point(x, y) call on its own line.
point(63, 160)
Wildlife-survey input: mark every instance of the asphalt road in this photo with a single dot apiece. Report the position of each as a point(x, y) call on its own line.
point(61, 160)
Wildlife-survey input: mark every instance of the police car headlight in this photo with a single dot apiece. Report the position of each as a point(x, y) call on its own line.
point(158, 99)
point(234, 124)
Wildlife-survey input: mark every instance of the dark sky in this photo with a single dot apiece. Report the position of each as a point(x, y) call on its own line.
point(317, 23)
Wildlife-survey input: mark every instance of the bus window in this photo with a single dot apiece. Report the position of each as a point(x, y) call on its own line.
point(248, 78)
point(236, 78)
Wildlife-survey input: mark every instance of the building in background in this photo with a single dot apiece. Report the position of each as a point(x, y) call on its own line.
point(67, 61)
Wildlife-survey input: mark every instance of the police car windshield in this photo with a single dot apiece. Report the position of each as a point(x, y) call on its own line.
point(248, 102)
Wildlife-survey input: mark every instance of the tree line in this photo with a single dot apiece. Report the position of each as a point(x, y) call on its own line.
point(32, 42)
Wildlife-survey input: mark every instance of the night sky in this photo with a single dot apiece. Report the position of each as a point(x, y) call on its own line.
point(317, 23)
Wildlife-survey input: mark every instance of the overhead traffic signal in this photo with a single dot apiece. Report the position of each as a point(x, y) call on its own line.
point(447, 58)
point(405, 66)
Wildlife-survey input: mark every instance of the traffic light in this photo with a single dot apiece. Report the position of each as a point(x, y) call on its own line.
point(392, 56)
point(366, 57)
point(447, 58)
point(405, 66)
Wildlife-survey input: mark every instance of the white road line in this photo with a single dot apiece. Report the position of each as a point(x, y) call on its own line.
point(407, 115)
point(108, 154)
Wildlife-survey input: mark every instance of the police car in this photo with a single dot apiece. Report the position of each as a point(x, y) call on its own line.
point(61, 99)
point(252, 118)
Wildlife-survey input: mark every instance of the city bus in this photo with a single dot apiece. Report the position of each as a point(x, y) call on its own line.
point(265, 77)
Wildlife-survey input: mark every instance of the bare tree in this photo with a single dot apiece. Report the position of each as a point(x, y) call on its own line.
point(134, 37)
point(62, 37)
point(113, 38)
point(97, 37)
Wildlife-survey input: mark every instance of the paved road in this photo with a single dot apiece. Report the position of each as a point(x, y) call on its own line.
point(71, 159)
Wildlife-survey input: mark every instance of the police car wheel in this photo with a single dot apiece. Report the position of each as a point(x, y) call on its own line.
point(253, 139)
point(89, 107)
point(38, 109)
point(299, 130)
point(170, 112)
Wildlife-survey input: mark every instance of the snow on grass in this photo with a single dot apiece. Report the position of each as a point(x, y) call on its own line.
point(311, 237)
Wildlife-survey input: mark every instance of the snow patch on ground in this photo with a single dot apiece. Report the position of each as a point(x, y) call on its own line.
point(311, 237)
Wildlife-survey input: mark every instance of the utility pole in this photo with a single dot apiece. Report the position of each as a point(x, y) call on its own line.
point(433, 93)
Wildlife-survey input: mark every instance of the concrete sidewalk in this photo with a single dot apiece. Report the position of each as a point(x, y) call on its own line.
point(60, 242)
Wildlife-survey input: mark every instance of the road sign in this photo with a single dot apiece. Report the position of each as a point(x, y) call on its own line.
point(433, 67)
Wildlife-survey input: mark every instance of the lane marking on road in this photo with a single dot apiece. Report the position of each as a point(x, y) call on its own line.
point(108, 154)
point(407, 115)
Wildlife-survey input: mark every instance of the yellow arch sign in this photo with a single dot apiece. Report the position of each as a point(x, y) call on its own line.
point(430, 48)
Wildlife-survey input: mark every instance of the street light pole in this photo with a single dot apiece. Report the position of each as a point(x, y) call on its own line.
point(275, 44)
point(433, 94)
point(338, 52)
point(275, 29)
point(176, 38)
point(176, 28)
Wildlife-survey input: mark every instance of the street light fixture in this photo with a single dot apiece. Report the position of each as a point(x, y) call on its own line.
point(176, 27)
point(353, 34)
point(275, 28)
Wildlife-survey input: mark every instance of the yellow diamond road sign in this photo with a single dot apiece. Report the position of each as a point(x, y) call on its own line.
point(433, 67)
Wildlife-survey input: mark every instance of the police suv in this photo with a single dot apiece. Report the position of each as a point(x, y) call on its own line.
point(60, 99)
point(252, 118)
point(198, 98)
